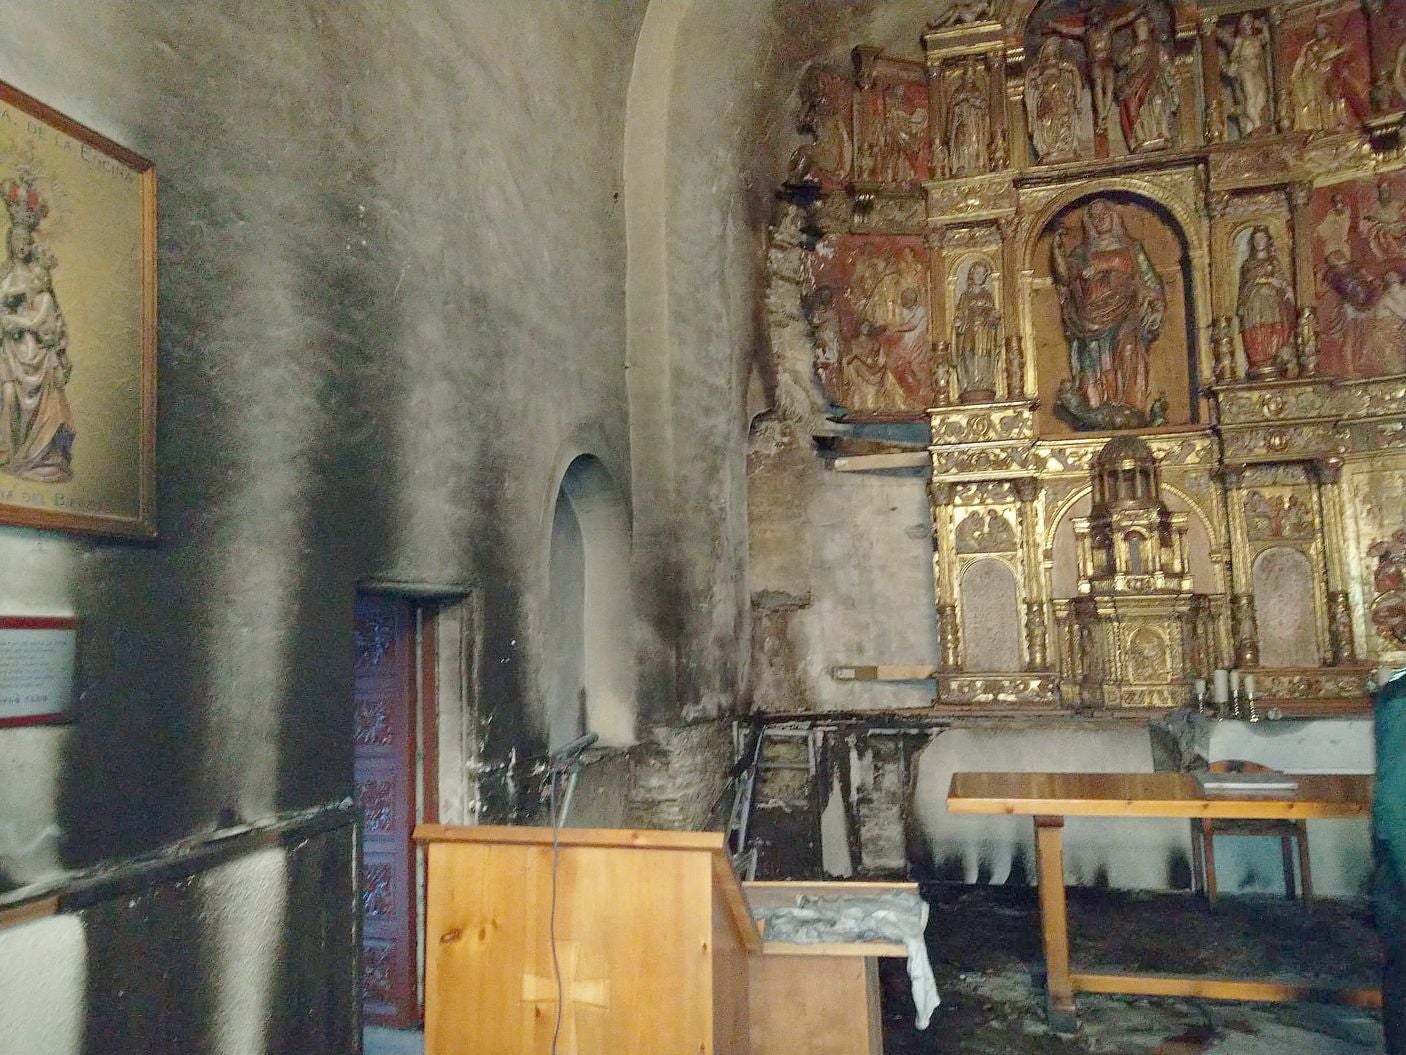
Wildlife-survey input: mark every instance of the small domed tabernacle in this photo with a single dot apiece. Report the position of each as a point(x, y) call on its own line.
point(1138, 620)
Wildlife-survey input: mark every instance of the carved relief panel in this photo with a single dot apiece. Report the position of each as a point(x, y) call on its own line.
point(1359, 267)
point(826, 120)
point(1329, 67)
point(1377, 491)
point(892, 144)
point(1102, 80)
point(868, 299)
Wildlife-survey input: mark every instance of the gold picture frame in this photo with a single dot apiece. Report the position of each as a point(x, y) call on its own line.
point(77, 326)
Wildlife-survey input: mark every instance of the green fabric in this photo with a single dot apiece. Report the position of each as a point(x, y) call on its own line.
point(1389, 809)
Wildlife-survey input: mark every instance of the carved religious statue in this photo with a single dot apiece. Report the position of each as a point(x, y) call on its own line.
point(1246, 67)
point(1266, 308)
point(905, 128)
point(36, 423)
point(1388, 332)
point(1384, 226)
point(963, 13)
point(1147, 90)
point(976, 331)
point(1057, 104)
point(1317, 84)
point(1356, 292)
point(969, 123)
point(831, 154)
point(869, 384)
point(1094, 28)
point(1398, 71)
point(1112, 305)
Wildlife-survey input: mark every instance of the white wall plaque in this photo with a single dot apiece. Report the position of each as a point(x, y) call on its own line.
point(36, 669)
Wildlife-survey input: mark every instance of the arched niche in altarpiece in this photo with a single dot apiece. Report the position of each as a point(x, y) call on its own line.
point(1113, 314)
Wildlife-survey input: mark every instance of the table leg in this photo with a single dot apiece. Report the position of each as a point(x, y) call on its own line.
point(1054, 922)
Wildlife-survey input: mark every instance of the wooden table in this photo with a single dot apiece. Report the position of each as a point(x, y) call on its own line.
point(1050, 797)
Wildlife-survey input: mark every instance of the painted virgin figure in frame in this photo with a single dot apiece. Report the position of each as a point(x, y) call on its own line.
point(36, 422)
point(77, 342)
point(1112, 304)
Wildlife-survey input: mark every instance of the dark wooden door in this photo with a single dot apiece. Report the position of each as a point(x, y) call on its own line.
point(385, 789)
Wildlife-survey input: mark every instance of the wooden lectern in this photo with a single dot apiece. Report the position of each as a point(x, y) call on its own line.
point(652, 942)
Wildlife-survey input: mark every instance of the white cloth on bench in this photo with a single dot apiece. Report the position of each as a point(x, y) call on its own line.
point(896, 917)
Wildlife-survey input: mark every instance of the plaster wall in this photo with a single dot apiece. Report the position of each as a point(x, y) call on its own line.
point(392, 293)
point(202, 961)
point(392, 265)
point(711, 126)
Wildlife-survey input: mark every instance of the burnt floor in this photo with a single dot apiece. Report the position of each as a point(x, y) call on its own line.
point(985, 947)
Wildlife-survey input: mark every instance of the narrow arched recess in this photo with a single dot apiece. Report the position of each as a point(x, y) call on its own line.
point(590, 639)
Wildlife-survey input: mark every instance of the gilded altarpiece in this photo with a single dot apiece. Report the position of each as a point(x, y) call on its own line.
point(1176, 221)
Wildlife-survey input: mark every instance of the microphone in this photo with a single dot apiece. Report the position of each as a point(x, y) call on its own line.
point(568, 753)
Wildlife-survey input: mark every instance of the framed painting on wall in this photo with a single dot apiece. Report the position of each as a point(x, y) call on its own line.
point(77, 326)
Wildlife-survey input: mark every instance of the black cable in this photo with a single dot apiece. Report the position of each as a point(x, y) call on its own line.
point(552, 920)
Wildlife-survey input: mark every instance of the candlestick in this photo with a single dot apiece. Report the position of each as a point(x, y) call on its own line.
point(1222, 684)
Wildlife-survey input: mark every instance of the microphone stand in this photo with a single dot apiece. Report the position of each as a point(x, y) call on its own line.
point(567, 760)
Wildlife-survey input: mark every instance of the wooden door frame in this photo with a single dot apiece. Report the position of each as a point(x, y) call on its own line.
point(428, 604)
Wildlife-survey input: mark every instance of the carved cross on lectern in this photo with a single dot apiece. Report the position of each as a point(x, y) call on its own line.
point(539, 990)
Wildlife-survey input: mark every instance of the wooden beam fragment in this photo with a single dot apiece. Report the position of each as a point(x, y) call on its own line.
point(886, 672)
point(869, 463)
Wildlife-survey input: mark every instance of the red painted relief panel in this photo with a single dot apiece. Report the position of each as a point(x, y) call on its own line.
point(827, 115)
point(1359, 259)
point(891, 131)
point(868, 307)
point(1330, 72)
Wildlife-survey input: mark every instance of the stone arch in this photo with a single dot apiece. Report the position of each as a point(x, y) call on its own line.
point(589, 653)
